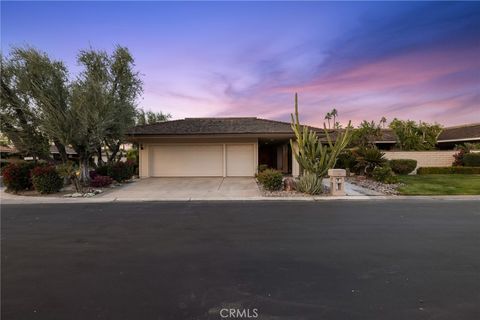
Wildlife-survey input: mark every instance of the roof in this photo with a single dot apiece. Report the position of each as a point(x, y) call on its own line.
point(463, 132)
point(213, 126)
point(68, 150)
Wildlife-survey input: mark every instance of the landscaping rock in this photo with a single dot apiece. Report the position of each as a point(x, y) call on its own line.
point(289, 184)
point(77, 195)
point(68, 195)
point(389, 189)
point(97, 191)
point(89, 194)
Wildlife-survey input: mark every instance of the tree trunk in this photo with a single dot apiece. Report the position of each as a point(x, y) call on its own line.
point(84, 168)
point(61, 150)
point(114, 151)
point(99, 155)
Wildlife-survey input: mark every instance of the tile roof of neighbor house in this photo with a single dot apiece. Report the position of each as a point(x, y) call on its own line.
point(468, 131)
point(202, 126)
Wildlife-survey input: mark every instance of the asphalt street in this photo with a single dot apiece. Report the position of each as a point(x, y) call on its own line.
point(408, 259)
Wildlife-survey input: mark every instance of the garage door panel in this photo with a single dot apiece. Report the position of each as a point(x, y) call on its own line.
point(240, 160)
point(187, 161)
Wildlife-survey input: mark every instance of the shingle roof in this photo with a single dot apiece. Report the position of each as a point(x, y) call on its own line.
point(201, 126)
point(468, 131)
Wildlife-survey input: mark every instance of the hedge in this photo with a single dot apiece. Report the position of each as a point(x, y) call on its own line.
point(403, 166)
point(471, 159)
point(448, 170)
point(16, 176)
point(271, 179)
point(119, 171)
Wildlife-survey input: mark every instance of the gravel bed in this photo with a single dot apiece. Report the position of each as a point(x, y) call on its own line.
point(388, 189)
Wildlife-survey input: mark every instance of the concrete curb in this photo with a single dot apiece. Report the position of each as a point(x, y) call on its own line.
point(46, 200)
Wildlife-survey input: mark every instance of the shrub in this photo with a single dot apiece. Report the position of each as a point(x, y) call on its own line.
point(448, 170)
point(471, 159)
point(384, 174)
point(403, 166)
point(368, 159)
point(16, 176)
point(93, 174)
point(101, 181)
point(310, 183)
point(346, 160)
point(271, 179)
point(69, 171)
point(46, 179)
point(262, 167)
point(459, 157)
point(118, 171)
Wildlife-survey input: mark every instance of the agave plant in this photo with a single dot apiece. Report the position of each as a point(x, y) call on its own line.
point(313, 156)
point(310, 183)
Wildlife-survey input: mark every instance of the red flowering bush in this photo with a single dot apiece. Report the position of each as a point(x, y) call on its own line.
point(101, 181)
point(16, 176)
point(46, 179)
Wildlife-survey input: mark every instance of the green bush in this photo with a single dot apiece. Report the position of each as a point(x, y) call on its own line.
point(471, 159)
point(346, 160)
point(448, 170)
point(46, 179)
point(262, 167)
point(270, 179)
point(403, 166)
point(310, 183)
point(16, 176)
point(368, 159)
point(384, 174)
point(118, 171)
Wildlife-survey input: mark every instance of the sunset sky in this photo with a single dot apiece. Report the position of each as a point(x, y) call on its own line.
point(412, 60)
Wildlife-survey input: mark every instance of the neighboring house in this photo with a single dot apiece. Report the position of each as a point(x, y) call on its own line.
point(234, 147)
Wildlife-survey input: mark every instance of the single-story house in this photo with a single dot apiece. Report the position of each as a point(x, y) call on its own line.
point(234, 147)
point(213, 147)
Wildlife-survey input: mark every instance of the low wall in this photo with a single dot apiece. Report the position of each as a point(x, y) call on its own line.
point(424, 158)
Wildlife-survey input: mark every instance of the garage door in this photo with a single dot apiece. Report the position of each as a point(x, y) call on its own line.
point(240, 160)
point(187, 161)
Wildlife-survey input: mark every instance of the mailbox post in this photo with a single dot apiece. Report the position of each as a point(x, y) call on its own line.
point(337, 182)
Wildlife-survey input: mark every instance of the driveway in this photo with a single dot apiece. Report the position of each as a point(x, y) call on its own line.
point(393, 260)
point(186, 188)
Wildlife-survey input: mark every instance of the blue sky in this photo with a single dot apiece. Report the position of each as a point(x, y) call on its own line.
point(413, 60)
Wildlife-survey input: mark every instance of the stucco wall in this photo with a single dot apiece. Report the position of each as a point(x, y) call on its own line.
point(424, 158)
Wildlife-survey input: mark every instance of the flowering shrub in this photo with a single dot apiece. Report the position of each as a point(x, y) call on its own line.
point(16, 176)
point(271, 179)
point(101, 181)
point(93, 174)
point(46, 179)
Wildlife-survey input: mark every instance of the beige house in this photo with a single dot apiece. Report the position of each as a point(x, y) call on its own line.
point(214, 147)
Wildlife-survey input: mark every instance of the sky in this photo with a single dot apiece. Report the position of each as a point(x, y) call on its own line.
point(410, 60)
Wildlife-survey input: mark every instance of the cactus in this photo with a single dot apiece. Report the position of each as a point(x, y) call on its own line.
point(312, 156)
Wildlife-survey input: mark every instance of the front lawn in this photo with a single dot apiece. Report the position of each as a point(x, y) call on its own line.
point(440, 184)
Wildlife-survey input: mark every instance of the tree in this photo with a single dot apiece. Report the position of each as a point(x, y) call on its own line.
point(334, 114)
point(149, 117)
point(312, 155)
point(328, 117)
point(18, 114)
point(413, 136)
point(366, 134)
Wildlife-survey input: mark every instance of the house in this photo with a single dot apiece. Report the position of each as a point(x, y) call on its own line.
point(213, 147)
point(235, 147)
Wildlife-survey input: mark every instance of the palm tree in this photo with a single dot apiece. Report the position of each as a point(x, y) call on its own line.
point(383, 122)
point(328, 117)
point(334, 114)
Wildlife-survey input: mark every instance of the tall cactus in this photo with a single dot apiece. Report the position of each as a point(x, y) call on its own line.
point(311, 154)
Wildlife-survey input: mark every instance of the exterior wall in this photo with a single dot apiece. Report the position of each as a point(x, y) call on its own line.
point(424, 158)
point(146, 147)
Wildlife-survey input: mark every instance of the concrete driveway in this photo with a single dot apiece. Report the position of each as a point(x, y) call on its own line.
point(186, 188)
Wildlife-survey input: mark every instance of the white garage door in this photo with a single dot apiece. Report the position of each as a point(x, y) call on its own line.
point(187, 161)
point(240, 160)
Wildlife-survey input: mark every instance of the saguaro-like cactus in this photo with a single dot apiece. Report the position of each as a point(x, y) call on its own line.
point(313, 156)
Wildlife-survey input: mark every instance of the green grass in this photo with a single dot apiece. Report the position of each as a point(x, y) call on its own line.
point(440, 184)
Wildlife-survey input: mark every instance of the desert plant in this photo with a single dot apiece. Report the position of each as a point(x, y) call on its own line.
point(271, 179)
point(100, 181)
point(311, 154)
point(471, 159)
point(448, 170)
point(368, 159)
point(46, 179)
point(384, 174)
point(310, 183)
point(71, 172)
point(403, 166)
point(17, 177)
